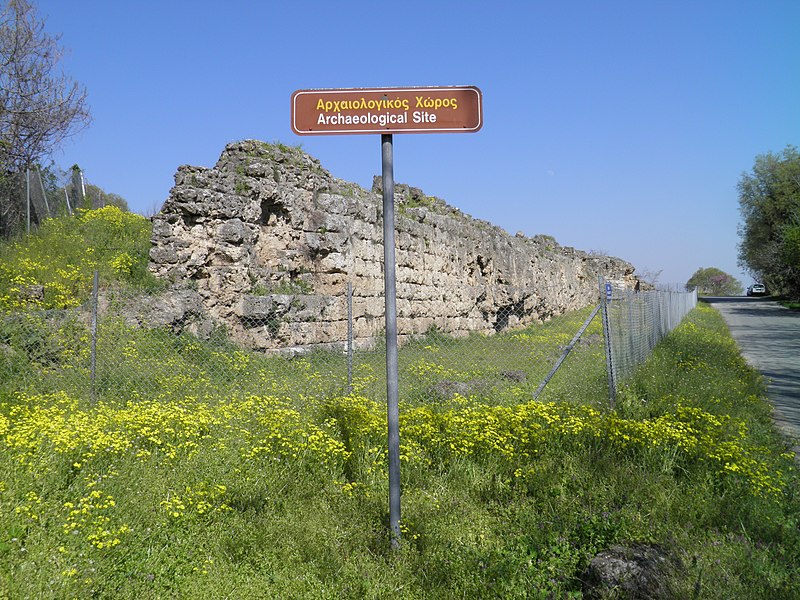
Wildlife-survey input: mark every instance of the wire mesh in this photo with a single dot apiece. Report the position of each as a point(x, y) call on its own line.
point(126, 345)
point(638, 321)
point(27, 198)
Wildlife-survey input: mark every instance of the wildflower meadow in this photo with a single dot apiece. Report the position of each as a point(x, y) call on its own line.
point(199, 486)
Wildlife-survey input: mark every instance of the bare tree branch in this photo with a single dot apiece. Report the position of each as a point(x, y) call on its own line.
point(40, 106)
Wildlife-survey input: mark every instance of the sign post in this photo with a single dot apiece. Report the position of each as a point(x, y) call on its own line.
point(456, 109)
point(390, 304)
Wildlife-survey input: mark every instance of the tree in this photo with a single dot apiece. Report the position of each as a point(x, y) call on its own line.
point(96, 197)
point(39, 105)
point(714, 282)
point(769, 201)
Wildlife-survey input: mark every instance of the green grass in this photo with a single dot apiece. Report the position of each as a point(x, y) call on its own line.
point(201, 470)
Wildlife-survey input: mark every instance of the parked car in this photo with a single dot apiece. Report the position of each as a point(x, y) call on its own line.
point(757, 289)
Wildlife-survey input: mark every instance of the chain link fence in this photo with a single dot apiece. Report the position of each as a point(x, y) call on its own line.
point(30, 197)
point(635, 323)
point(123, 345)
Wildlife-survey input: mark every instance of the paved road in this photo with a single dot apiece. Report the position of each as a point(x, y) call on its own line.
point(769, 336)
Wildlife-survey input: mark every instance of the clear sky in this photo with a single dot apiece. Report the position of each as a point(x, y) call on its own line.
point(614, 126)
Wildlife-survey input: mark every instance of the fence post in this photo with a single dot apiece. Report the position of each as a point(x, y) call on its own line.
point(612, 384)
point(28, 198)
point(629, 298)
point(93, 367)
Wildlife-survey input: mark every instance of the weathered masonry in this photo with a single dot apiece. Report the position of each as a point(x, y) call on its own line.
point(267, 240)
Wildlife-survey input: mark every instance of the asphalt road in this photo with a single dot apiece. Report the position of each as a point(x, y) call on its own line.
point(769, 337)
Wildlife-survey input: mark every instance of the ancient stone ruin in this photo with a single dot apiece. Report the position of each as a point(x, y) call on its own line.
point(268, 241)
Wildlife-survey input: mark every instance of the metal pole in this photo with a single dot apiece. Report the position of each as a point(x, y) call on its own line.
point(44, 195)
point(390, 298)
point(66, 196)
point(28, 197)
point(349, 338)
point(630, 298)
point(612, 384)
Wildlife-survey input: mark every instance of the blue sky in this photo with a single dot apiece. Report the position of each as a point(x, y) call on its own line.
point(614, 126)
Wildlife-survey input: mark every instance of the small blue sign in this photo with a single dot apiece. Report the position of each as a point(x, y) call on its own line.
point(608, 292)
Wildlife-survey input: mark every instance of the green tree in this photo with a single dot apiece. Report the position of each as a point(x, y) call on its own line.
point(714, 282)
point(769, 201)
point(88, 195)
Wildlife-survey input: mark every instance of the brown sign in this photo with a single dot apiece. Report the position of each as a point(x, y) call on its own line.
point(456, 109)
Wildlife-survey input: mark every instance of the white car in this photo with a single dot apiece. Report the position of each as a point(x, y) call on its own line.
point(757, 289)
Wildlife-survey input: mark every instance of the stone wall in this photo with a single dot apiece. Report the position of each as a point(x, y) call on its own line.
point(270, 240)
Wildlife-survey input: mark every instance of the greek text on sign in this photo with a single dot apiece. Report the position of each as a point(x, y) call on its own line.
point(456, 109)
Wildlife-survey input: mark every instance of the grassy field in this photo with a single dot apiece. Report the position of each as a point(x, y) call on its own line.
point(201, 470)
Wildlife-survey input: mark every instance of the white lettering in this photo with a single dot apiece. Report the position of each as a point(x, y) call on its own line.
point(380, 119)
point(421, 116)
